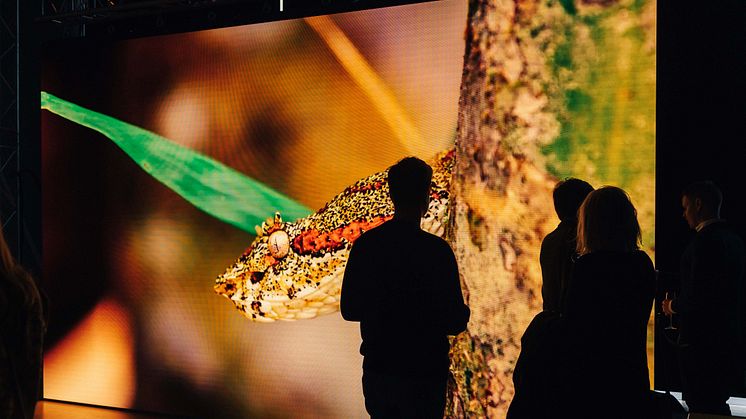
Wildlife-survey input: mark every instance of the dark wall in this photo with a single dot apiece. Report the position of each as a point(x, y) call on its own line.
point(701, 125)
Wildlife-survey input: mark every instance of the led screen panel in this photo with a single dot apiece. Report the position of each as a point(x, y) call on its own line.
point(154, 149)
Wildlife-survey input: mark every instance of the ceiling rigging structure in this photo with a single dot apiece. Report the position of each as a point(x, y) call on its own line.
point(119, 19)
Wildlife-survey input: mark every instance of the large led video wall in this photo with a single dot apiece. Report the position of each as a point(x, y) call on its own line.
point(165, 159)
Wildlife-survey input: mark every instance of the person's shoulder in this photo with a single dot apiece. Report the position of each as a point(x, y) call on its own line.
point(607, 257)
point(644, 259)
point(435, 243)
point(562, 236)
point(714, 234)
point(555, 234)
point(434, 239)
point(642, 256)
point(376, 233)
point(714, 229)
point(366, 239)
point(726, 229)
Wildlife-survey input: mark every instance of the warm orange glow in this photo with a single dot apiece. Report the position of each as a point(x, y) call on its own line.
point(367, 79)
point(46, 409)
point(95, 363)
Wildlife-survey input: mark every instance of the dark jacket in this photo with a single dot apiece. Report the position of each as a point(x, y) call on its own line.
point(710, 305)
point(712, 278)
point(537, 376)
point(572, 363)
point(402, 285)
point(608, 306)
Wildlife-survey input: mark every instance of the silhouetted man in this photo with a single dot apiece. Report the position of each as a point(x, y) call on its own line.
point(709, 303)
point(402, 284)
point(558, 247)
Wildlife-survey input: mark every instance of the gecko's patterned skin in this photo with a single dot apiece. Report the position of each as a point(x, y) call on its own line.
point(294, 270)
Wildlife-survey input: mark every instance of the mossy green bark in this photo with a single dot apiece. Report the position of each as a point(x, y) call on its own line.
point(549, 89)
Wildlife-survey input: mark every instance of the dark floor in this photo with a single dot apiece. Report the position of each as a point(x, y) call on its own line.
point(47, 409)
point(737, 405)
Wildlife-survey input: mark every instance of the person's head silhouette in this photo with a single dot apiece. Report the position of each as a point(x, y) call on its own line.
point(568, 195)
point(409, 187)
point(607, 220)
point(701, 202)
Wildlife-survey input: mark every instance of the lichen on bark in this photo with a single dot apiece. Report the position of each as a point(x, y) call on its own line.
point(525, 62)
point(501, 195)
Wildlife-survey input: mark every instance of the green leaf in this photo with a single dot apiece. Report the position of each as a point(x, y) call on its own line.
point(207, 184)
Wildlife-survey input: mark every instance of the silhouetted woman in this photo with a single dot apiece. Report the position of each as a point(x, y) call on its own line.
point(22, 327)
point(608, 305)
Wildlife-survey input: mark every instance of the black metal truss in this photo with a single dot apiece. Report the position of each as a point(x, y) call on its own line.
point(60, 11)
point(9, 139)
point(116, 19)
point(20, 189)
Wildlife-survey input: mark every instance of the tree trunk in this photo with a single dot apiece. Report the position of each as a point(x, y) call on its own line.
point(529, 66)
point(501, 199)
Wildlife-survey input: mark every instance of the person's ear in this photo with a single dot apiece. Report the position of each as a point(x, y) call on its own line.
point(698, 204)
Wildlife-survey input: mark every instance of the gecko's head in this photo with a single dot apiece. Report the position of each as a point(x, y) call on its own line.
point(294, 270)
point(287, 273)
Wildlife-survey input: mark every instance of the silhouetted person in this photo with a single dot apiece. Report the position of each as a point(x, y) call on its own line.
point(536, 377)
point(712, 277)
point(402, 284)
point(558, 247)
point(22, 328)
point(573, 362)
point(608, 304)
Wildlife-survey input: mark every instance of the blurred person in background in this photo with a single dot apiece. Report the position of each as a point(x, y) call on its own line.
point(709, 303)
point(22, 328)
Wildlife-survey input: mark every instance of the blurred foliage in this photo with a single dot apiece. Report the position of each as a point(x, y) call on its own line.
point(209, 185)
point(603, 68)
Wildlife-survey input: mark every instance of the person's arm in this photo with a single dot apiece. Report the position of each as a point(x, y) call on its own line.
point(353, 294)
point(455, 313)
point(700, 274)
point(550, 286)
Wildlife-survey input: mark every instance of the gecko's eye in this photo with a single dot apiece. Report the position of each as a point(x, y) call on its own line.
point(279, 244)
